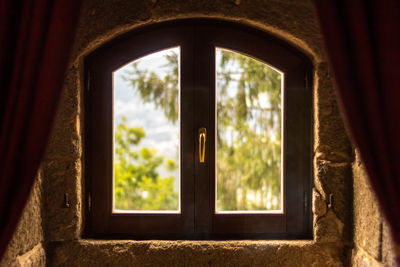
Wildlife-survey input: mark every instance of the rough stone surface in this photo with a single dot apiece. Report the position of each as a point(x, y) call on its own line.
point(33, 258)
point(372, 242)
point(330, 139)
point(388, 255)
point(336, 222)
point(293, 21)
point(367, 217)
point(319, 204)
point(361, 258)
point(329, 228)
point(195, 253)
point(62, 167)
point(334, 182)
point(29, 231)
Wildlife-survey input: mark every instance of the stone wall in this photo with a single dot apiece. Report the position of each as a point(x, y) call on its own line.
point(26, 247)
point(293, 21)
point(372, 241)
point(343, 235)
point(63, 167)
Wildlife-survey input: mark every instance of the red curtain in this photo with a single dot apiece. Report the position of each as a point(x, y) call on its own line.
point(35, 40)
point(362, 39)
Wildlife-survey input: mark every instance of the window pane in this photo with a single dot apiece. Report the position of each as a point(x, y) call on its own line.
point(146, 134)
point(248, 137)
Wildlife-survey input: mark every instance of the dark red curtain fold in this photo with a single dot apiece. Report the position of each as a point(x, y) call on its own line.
point(362, 39)
point(35, 40)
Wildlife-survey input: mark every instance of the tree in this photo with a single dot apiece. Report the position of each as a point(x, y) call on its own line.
point(248, 134)
point(163, 92)
point(248, 129)
point(138, 186)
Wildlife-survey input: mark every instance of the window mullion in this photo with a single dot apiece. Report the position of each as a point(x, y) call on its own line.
point(187, 135)
point(204, 69)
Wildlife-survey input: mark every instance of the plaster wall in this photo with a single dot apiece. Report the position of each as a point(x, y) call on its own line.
point(63, 168)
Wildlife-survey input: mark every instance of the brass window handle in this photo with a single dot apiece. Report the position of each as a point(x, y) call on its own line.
point(202, 144)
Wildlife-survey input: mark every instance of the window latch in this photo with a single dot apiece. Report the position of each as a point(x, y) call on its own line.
point(202, 144)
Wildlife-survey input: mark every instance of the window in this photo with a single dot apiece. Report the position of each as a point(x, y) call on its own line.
point(198, 129)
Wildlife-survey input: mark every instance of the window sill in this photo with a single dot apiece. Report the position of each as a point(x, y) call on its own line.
point(88, 252)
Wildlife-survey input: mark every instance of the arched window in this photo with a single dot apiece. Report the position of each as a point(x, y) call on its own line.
point(198, 129)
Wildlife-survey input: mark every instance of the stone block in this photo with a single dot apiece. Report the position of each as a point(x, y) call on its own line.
point(334, 182)
point(319, 204)
point(331, 139)
point(388, 252)
point(329, 228)
point(195, 253)
point(62, 177)
point(34, 258)
point(367, 216)
point(361, 258)
point(29, 231)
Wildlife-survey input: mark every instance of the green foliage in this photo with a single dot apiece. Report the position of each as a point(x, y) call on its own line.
point(163, 92)
point(248, 135)
point(138, 185)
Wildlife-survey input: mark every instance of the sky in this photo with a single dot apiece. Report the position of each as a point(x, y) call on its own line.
point(161, 134)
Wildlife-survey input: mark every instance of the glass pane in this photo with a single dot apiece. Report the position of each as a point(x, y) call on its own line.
point(248, 162)
point(146, 134)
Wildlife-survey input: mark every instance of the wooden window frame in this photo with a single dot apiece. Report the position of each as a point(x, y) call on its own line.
point(197, 39)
